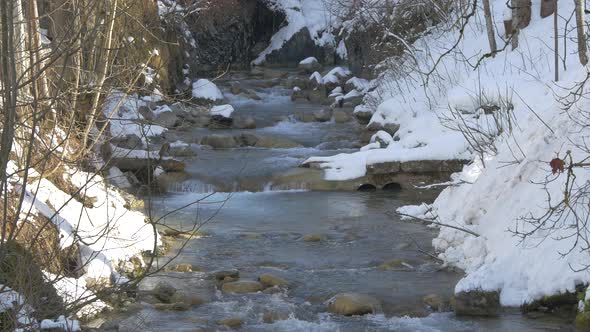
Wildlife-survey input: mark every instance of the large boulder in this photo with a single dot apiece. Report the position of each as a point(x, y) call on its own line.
point(476, 303)
point(217, 141)
point(341, 116)
point(353, 304)
point(363, 114)
point(242, 287)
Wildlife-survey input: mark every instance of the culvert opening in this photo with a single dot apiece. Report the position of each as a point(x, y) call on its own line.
point(367, 187)
point(392, 187)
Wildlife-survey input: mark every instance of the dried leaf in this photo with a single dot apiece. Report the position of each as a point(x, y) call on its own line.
point(557, 165)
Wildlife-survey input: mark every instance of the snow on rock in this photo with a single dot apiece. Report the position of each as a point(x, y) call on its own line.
point(499, 191)
point(205, 89)
point(309, 61)
point(125, 118)
point(316, 16)
point(336, 75)
point(61, 323)
point(359, 84)
point(222, 110)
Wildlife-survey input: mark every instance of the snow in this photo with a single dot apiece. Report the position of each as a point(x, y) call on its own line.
point(222, 110)
point(107, 234)
point(500, 188)
point(359, 84)
point(61, 323)
point(308, 61)
point(205, 89)
point(319, 17)
point(125, 119)
point(335, 75)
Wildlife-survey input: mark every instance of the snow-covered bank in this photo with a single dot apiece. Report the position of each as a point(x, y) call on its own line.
point(497, 196)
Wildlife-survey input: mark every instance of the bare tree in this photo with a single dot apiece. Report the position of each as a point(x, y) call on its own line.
point(490, 25)
point(581, 29)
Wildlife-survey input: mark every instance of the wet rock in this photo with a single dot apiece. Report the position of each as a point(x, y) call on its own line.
point(245, 123)
point(296, 81)
point(269, 280)
point(276, 143)
point(304, 117)
point(167, 120)
point(314, 238)
point(323, 115)
point(363, 115)
point(217, 141)
point(298, 94)
point(164, 292)
point(247, 139)
point(435, 302)
point(235, 88)
point(476, 303)
point(190, 300)
point(220, 122)
point(353, 304)
point(395, 264)
point(341, 116)
point(182, 151)
point(181, 268)
point(252, 95)
point(242, 287)
point(272, 290)
point(130, 142)
point(310, 65)
point(179, 306)
point(270, 317)
point(220, 275)
point(234, 323)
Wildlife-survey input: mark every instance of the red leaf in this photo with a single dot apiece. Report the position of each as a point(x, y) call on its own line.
point(557, 165)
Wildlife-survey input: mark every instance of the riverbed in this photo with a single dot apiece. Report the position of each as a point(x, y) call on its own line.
point(321, 242)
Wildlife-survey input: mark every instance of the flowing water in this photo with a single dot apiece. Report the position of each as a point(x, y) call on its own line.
point(255, 229)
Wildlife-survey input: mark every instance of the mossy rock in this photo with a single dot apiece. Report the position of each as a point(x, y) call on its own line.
point(558, 302)
point(583, 321)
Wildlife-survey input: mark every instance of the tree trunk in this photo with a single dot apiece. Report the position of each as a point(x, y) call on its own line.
point(102, 71)
point(490, 26)
point(547, 8)
point(556, 37)
point(37, 65)
point(581, 27)
point(521, 13)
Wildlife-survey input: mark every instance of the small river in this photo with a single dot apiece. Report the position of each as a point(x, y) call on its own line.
point(255, 225)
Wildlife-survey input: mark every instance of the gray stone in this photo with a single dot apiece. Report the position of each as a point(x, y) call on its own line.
point(341, 116)
point(245, 123)
point(323, 115)
point(219, 141)
point(352, 304)
point(384, 168)
point(167, 120)
point(270, 280)
point(131, 142)
point(242, 287)
point(247, 139)
point(221, 275)
point(276, 143)
point(476, 303)
point(363, 117)
point(164, 292)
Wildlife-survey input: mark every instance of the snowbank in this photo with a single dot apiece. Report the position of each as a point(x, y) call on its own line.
point(107, 234)
point(494, 196)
